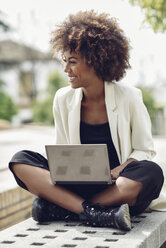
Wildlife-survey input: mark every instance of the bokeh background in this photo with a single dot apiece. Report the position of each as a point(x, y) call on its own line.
point(30, 76)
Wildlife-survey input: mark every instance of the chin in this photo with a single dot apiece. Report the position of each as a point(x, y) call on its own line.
point(74, 86)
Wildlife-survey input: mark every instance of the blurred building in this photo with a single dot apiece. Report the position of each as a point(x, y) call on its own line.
point(24, 71)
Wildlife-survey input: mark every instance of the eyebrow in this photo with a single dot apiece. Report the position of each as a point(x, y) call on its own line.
point(73, 57)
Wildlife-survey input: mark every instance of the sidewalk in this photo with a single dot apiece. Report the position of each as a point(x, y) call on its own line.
point(25, 138)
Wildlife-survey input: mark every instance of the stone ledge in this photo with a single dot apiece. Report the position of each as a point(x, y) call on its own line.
point(148, 231)
point(15, 206)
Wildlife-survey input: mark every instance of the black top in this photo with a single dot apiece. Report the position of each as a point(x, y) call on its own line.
point(99, 134)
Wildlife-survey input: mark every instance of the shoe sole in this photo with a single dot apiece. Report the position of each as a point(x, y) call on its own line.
point(124, 218)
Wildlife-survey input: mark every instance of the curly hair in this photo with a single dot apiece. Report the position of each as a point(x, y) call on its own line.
point(99, 39)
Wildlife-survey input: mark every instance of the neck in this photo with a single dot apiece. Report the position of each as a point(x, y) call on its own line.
point(94, 92)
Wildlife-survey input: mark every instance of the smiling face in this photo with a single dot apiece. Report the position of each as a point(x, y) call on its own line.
point(79, 73)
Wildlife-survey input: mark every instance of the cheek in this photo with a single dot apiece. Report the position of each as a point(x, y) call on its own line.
point(77, 72)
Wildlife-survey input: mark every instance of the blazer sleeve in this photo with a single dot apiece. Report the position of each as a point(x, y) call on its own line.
point(142, 142)
point(60, 137)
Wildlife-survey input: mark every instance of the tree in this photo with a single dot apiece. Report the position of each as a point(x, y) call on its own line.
point(155, 13)
point(42, 109)
point(3, 26)
point(8, 108)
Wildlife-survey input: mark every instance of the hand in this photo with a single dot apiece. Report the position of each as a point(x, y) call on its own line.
point(115, 172)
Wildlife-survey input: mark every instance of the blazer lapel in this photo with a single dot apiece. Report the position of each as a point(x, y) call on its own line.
point(74, 117)
point(75, 114)
point(112, 113)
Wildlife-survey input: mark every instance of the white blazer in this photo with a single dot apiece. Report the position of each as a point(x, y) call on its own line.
point(128, 120)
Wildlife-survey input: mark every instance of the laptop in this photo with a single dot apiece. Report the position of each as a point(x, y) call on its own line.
point(79, 164)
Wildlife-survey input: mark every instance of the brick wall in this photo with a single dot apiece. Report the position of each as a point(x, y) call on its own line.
point(15, 206)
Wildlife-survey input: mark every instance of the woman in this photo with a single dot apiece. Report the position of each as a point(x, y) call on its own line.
point(95, 108)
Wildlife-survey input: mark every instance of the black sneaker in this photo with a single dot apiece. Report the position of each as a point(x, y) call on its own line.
point(45, 211)
point(96, 215)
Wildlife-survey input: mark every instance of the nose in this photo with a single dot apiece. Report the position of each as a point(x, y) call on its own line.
point(67, 68)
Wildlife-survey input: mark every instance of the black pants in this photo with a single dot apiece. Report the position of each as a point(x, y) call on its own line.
point(146, 172)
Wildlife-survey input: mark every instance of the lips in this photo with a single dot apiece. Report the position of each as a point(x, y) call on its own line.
point(71, 78)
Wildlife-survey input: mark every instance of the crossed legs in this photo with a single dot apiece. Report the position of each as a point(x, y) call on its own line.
point(39, 183)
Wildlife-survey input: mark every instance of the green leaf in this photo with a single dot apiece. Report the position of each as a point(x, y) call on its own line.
point(155, 13)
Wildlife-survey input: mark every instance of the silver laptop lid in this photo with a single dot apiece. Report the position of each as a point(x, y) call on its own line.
point(83, 163)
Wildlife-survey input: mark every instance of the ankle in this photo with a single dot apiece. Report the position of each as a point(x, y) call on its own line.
point(132, 202)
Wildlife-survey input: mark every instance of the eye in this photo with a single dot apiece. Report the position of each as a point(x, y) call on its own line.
point(72, 62)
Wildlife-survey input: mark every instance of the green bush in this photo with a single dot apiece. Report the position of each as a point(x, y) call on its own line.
point(55, 82)
point(42, 109)
point(7, 106)
point(150, 103)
